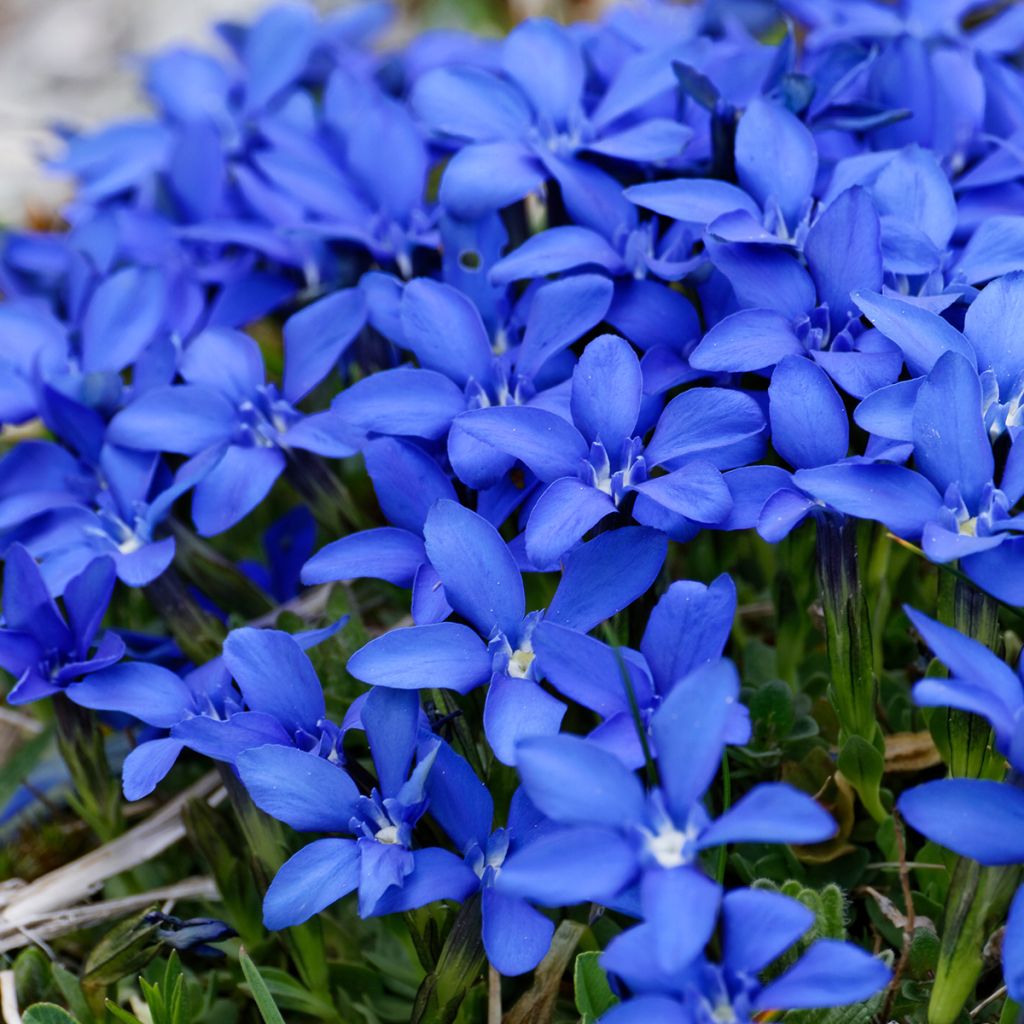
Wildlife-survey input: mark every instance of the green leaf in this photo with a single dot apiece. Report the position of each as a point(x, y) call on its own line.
point(260, 993)
point(47, 1013)
point(863, 765)
point(122, 1015)
point(593, 993)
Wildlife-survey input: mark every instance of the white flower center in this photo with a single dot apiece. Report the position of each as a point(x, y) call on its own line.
point(520, 661)
point(388, 834)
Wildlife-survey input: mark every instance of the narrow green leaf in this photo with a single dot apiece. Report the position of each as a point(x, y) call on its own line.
point(260, 993)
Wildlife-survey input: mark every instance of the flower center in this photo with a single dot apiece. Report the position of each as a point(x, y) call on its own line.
point(520, 661)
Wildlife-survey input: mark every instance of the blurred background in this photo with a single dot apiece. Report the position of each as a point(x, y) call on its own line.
point(75, 62)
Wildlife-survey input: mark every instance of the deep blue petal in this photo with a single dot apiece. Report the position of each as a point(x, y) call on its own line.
point(444, 654)
point(299, 788)
point(258, 660)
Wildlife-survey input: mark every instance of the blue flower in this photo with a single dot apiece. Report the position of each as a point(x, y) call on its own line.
point(952, 502)
point(598, 463)
point(483, 584)
point(757, 927)
point(312, 794)
point(527, 122)
point(687, 628)
point(655, 837)
point(235, 426)
point(46, 652)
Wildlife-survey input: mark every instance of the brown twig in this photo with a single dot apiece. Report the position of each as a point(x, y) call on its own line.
point(908, 915)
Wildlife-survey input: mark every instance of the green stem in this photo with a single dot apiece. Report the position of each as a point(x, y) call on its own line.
point(97, 795)
point(198, 633)
point(965, 740)
point(328, 498)
point(847, 627)
point(975, 906)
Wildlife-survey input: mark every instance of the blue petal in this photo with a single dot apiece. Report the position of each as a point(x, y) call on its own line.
point(830, 973)
point(146, 766)
point(560, 312)
point(689, 731)
point(391, 720)
point(569, 866)
point(123, 316)
point(184, 419)
point(445, 332)
point(576, 783)
point(28, 606)
point(776, 157)
point(418, 403)
point(323, 433)
point(470, 103)
point(299, 788)
point(444, 654)
point(515, 710)
point(1000, 571)
point(605, 575)
point(764, 276)
point(1013, 948)
point(459, 801)
point(310, 881)
point(976, 818)
point(383, 867)
point(921, 335)
point(808, 418)
point(544, 59)
point(711, 423)
point(152, 694)
point(225, 739)
point(544, 441)
point(226, 361)
point(436, 875)
point(565, 511)
point(969, 660)
point(696, 491)
point(588, 671)
point(86, 598)
point(748, 340)
point(759, 926)
point(481, 579)
point(516, 936)
point(651, 314)
point(317, 336)
point(996, 248)
point(258, 660)
point(276, 50)
point(488, 176)
point(951, 443)
point(688, 627)
point(385, 554)
point(771, 813)
point(889, 411)
point(239, 481)
point(555, 250)
point(994, 325)
point(692, 200)
point(606, 392)
point(782, 513)
point(655, 139)
point(750, 487)
point(407, 481)
point(674, 895)
point(428, 601)
point(844, 253)
point(897, 497)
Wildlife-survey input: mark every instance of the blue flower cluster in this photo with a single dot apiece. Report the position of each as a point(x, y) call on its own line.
point(571, 297)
